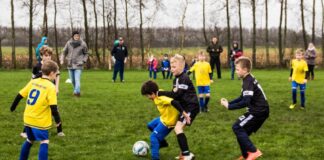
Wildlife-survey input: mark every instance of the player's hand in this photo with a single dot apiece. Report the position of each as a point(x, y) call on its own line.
point(187, 117)
point(125, 60)
point(224, 102)
point(211, 81)
point(12, 108)
point(289, 78)
point(305, 81)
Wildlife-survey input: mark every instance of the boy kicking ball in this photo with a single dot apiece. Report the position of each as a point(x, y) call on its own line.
point(252, 97)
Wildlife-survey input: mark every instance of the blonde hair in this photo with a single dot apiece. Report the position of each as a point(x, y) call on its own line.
point(244, 62)
point(46, 50)
point(178, 58)
point(299, 51)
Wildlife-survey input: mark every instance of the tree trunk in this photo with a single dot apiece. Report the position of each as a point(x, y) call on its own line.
point(70, 13)
point(182, 38)
point(267, 33)
point(313, 29)
point(228, 32)
point(254, 35)
point(322, 32)
point(55, 35)
point(30, 46)
point(280, 33)
point(130, 53)
point(115, 19)
point(204, 23)
point(285, 31)
point(303, 23)
point(45, 26)
point(108, 44)
point(104, 34)
point(86, 29)
point(141, 32)
point(0, 53)
point(96, 30)
point(13, 36)
point(240, 21)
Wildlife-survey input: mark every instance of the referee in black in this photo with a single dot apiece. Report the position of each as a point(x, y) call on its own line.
point(214, 50)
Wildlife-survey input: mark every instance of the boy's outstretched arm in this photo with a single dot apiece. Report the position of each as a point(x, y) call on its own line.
point(15, 102)
point(56, 115)
point(240, 103)
point(236, 100)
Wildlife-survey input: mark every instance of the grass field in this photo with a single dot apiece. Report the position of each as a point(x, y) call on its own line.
point(109, 117)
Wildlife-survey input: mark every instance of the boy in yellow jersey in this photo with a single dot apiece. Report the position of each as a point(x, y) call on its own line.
point(203, 74)
point(41, 104)
point(298, 76)
point(161, 126)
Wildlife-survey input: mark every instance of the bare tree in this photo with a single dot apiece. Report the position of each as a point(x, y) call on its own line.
point(85, 21)
point(108, 17)
point(240, 23)
point(267, 33)
point(303, 23)
point(13, 36)
point(182, 30)
point(228, 32)
point(130, 53)
point(55, 34)
point(70, 14)
point(115, 19)
point(204, 23)
point(280, 33)
point(96, 30)
point(3, 35)
point(141, 5)
point(322, 32)
point(285, 30)
point(104, 34)
point(254, 33)
point(30, 46)
point(313, 29)
point(45, 25)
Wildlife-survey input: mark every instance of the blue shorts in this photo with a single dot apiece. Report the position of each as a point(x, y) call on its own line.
point(295, 85)
point(35, 134)
point(203, 89)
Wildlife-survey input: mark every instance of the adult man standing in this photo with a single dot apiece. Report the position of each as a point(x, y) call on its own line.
point(214, 50)
point(119, 55)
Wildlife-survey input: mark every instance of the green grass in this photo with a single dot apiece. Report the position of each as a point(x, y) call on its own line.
point(109, 117)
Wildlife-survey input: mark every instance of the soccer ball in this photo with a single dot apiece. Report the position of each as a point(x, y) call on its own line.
point(141, 148)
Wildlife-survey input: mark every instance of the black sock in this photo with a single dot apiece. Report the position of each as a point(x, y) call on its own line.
point(59, 128)
point(182, 140)
point(206, 101)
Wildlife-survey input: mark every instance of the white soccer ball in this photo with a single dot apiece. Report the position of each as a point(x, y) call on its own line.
point(141, 148)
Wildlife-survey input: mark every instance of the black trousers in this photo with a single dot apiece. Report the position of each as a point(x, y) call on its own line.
point(311, 70)
point(213, 62)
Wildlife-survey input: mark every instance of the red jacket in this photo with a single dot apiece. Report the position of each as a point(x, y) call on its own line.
point(152, 65)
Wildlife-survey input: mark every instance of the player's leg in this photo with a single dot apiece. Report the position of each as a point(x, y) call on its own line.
point(151, 125)
point(158, 134)
point(294, 94)
point(25, 149)
point(212, 66)
point(182, 139)
point(201, 98)
point(116, 69)
point(71, 74)
point(302, 94)
point(77, 74)
point(121, 71)
point(218, 65)
point(207, 97)
point(43, 150)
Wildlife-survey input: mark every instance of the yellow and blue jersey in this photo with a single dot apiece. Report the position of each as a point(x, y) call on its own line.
point(169, 114)
point(41, 94)
point(299, 70)
point(202, 71)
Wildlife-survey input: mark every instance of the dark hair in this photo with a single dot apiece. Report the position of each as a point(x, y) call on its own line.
point(166, 55)
point(244, 62)
point(48, 67)
point(149, 87)
point(75, 32)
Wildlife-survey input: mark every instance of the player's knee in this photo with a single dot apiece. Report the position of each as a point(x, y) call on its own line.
point(45, 141)
point(201, 95)
point(208, 95)
point(178, 129)
point(236, 128)
point(29, 141)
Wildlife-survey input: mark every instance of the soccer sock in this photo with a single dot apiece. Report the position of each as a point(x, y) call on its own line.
point(201, 102)
point(206, 101)
point(25, 150)
point(59, 128)
point(182, 140)
point(302, 97)
point(294, 95)
point(43, 151)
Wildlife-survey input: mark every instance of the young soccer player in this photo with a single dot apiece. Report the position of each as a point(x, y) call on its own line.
point(41, 104)
point(161, 126)
point(152, 66)
point(252, 97)
point(184, 92)
point(298, 76)
point(165, 67)
point(46, 54)
point(203, 76)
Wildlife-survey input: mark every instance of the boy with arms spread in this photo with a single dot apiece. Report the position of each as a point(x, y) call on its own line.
point(41, 104)
point(203, 74)
point(252, 97)
point(161, 126)
point(184, 92)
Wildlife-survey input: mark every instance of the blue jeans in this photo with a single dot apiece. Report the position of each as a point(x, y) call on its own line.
point(75, 76)
point(294, 86)
point(232, 63)
point(159, 132)
point(119, 67)
point(154, 74)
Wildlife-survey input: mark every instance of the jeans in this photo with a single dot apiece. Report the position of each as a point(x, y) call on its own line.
point(75, 76)
point(232, 63)
point(154, 74)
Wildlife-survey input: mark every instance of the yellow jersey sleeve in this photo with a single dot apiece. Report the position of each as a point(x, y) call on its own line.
point(24, 92)
point(193, 68)
point(52, 97)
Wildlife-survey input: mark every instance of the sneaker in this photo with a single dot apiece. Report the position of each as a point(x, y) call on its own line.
point(254, 155)
point(60, 134)
point(191, 156)
point(113, 81)
point(292, 106)
point(23, 134)
point(77, 95)
point(302, 107)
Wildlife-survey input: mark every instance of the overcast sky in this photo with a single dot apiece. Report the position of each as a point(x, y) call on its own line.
point(169, 15)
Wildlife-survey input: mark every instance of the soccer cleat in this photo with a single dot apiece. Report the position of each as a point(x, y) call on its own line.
point(191, 156)
point(254, 155)
point(23, 134)
point(60, 134)
point(292, 106)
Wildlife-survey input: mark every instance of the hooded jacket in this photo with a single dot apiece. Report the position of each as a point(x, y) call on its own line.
point(75, 53)
point(39, 46)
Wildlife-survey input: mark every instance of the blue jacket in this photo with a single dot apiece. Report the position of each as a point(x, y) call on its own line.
point(39, 46)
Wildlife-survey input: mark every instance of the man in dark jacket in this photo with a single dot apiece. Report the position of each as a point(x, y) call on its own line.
point(214, 50)
point(119, 55)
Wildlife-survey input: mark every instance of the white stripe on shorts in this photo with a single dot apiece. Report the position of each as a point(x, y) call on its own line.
point(246, 120)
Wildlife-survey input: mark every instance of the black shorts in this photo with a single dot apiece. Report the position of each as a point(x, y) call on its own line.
point(192, 115)
point(250, 122)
